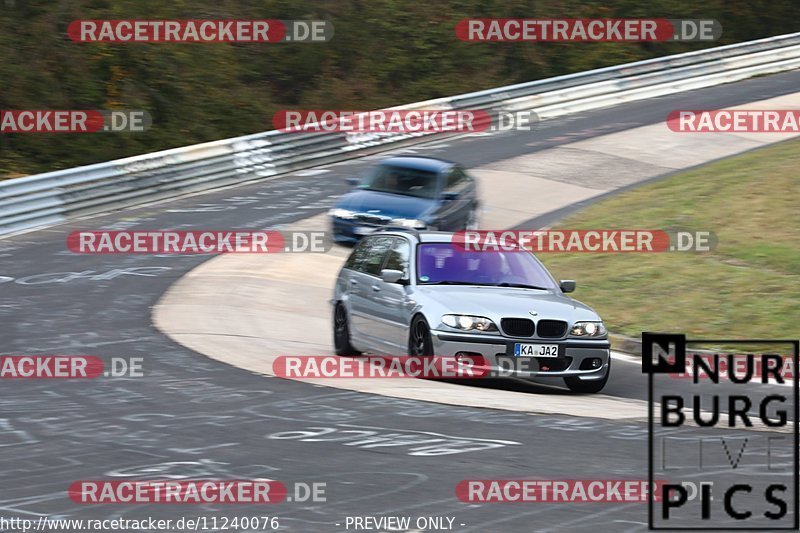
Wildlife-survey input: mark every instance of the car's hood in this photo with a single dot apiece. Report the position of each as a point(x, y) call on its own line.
point(386, 204)
point(498, 302)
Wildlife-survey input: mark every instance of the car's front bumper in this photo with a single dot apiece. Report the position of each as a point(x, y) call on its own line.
point(575, 355)
point(350, 231)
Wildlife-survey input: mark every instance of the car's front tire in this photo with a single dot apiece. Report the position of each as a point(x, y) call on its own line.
point(588, 386)
point(420, 342)
point(341, 333)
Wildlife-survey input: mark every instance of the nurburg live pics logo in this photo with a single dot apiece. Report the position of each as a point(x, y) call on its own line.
point(732, 430)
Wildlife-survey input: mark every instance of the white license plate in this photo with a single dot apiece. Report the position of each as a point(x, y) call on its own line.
point(535, 350)
point(363, 230)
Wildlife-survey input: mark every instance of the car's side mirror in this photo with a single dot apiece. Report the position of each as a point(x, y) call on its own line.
point(449, 196)
point(567, 285)
point(391, 276)
point(352, 181)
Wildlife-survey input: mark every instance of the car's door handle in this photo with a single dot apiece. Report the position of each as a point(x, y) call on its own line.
point(353, 283)
point(376, 288)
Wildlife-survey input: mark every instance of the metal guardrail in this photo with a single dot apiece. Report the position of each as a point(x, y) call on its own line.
point(53, 197)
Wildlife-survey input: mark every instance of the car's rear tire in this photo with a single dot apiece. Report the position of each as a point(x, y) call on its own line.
point(420, 342)
point(341, 333)
point(588, 387)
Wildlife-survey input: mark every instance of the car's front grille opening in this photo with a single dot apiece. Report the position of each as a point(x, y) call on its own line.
point(511, 364)
point(518, 327)
point(551, 329)
point(373, 219)
point(548, 364)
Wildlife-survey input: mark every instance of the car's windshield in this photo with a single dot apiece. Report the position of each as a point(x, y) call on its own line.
point(450, 264)
point(401, 180)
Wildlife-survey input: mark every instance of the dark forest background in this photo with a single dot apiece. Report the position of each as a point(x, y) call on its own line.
point(384, 53)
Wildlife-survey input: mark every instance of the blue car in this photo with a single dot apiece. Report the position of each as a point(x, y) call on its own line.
point(407, 191)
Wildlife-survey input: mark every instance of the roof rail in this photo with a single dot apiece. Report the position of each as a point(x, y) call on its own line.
point(420, 156)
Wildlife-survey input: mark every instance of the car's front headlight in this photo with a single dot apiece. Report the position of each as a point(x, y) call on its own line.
point(588, 329)
point(469, 323)
point(408, 223)
point(342, 213)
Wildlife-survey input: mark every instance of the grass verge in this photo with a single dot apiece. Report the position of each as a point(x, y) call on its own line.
point(748, 286)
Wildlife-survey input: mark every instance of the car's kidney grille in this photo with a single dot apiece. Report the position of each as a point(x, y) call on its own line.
point(551, 329)
point(518, 327)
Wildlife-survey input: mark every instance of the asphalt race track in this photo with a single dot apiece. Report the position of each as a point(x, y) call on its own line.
point(191, 417)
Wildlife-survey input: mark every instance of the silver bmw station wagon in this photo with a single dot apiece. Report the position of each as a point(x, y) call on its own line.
point(419, 293)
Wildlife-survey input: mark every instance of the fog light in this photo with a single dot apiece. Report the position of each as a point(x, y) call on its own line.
point(591, 363)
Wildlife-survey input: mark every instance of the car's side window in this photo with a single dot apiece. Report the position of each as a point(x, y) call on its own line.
point(377, 253)
point(398, 256)
point(357, 259)
point(456, 180)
